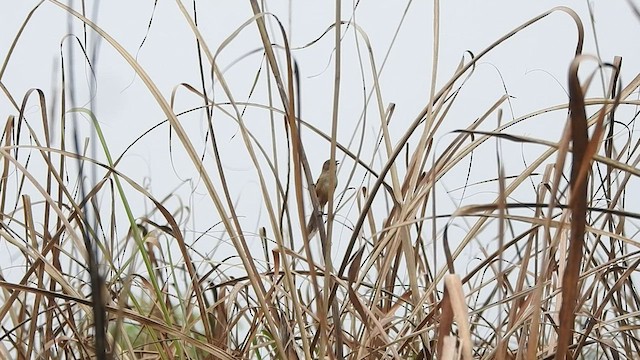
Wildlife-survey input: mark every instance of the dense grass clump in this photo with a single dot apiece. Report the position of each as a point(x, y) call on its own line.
point(434, 244)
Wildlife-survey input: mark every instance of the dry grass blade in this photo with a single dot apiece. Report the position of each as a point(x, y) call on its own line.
point(578, 207)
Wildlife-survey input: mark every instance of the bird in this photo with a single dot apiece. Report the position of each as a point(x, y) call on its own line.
point(323, 191)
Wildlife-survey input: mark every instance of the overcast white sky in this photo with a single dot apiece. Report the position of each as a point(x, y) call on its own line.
point(533, 65)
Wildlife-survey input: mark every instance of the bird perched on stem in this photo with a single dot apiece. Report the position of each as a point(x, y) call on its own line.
point(323, 190)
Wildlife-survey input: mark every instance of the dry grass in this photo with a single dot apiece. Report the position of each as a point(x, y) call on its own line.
point(555, 280)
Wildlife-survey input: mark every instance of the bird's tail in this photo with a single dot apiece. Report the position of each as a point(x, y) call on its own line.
point(312, 226)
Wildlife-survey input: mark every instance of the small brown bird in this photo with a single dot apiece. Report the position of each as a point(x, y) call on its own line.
point(323, 191)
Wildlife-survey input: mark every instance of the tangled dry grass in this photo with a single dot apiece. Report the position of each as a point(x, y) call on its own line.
point(557, 278)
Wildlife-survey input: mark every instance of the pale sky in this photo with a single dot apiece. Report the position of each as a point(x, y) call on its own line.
point(533, 65)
